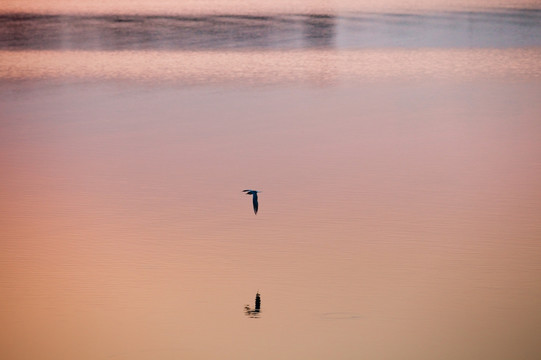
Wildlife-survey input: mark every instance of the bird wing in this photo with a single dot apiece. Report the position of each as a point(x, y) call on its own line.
point(256, 205)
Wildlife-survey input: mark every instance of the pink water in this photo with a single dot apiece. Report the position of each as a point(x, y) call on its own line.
point(398, 219)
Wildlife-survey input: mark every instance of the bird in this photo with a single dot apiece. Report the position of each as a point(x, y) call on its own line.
point(254, 198)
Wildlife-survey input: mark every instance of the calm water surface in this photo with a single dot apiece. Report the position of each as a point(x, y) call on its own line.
point(397, 150)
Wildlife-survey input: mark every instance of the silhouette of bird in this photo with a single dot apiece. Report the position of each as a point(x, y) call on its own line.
point(254, 198)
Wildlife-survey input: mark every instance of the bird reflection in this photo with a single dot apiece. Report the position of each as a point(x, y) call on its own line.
point(254, 198)
point(254, 313)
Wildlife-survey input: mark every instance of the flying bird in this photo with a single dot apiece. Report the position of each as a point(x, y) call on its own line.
point(254, 198)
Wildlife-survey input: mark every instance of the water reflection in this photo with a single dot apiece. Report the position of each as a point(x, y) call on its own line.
point(115, 32)
point(509, 28)
point(320, 31)
point(317, 67)
point(256, 311)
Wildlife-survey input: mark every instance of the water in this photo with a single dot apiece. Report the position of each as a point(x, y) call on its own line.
point(397, 151)
point(441, 29)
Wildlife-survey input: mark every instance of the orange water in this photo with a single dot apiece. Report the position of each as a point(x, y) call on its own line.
point(398, 219)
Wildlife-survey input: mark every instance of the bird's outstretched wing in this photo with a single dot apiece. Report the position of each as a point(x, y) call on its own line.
point(256, 204)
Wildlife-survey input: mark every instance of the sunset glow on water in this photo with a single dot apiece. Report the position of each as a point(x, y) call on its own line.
point(396, 149)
